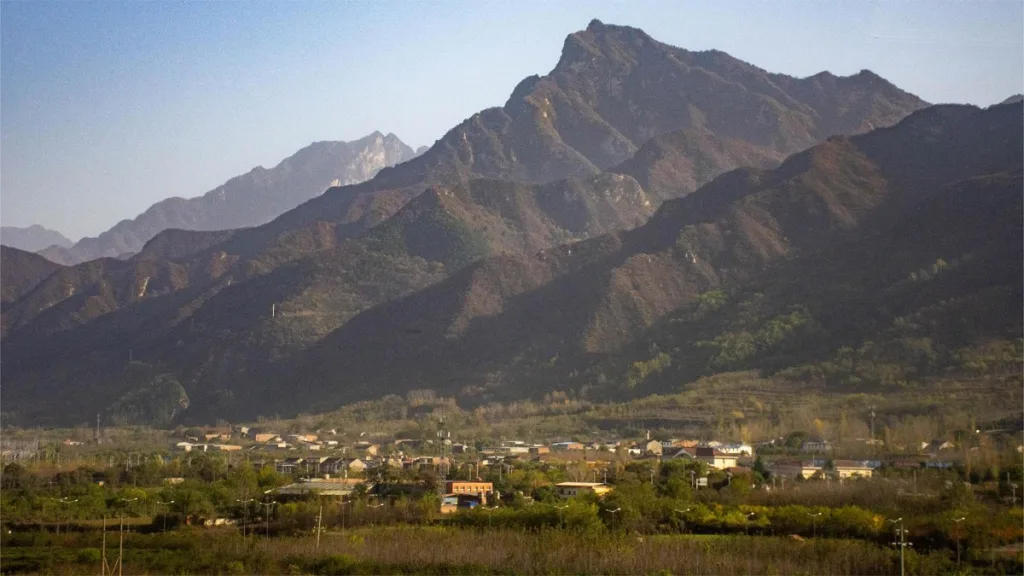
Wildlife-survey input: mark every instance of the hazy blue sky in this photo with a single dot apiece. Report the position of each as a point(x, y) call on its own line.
point(108, 107)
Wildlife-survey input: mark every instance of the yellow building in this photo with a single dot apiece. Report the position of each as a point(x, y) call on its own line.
point(852, 469)
point(570, 489)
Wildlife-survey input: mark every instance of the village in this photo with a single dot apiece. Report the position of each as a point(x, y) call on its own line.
point(324, 464)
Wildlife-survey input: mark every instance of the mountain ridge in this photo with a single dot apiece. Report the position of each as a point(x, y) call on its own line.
point(249, 199)
point(32, 238)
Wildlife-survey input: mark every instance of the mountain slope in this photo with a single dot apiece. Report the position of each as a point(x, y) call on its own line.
point(20, 271)
point(253, 198)
point(504, 322)
point(246, 301)
point(33, 238)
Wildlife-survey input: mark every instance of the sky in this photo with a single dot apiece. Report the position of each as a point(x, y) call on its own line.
point(109, 107)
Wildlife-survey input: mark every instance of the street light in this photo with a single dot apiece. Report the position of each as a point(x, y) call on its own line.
point(64, 501)
point(270, 506)
point(342, 505)
point(956, 522)
point(245, 510)
point(120, 545)
point(746, 525)
point(902, 543)
point(683, 512)
point(814, 523)
point(168, 503)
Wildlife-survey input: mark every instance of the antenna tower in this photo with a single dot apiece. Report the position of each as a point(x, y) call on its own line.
point(444, 452)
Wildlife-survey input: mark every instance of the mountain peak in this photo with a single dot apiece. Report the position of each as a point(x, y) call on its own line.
point(595, 25)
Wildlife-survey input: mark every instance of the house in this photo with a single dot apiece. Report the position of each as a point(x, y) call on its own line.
point(288, 465)
point(459, 448)
point(332, 465)
point(185, 446)
point(793, 469)
point(570, 489)
point(539, 450)
point(937, 446)
point(370, 449)
point(816, 445)
point(738, 449)
point(70, 442)
point(715, 458)
point(265, 437)
point(648, 447)
point(354, 465)
point(566, 446)
point(852, 469)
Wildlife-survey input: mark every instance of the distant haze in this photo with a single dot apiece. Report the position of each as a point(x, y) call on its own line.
point(106, 108)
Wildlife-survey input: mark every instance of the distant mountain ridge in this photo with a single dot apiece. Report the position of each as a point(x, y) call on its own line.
point(250, 199)
point(32, 238)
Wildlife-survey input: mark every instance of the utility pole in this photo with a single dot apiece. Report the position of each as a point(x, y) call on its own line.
point(443, 439)
point(319, 520)
point(104, 568)
point(956, 522)
point(872, 415)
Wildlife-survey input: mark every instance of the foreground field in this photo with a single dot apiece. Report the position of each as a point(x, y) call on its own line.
point(431, 550)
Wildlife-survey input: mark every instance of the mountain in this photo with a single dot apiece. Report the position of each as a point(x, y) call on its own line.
point(33, 238)
point(613, 89)
point(20, 272)
point(250, 199)
point(222, 311)
point(919, 222)
point(1016, 98)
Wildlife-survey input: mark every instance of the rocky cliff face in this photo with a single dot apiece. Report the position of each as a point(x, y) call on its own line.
point(250, 199)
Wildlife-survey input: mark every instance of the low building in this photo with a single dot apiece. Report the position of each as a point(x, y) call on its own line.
point(793, 469)
point(852, 469)
point(453, 502)
point(570, 489)
point(539, 450)
point(225, 447)
point(464, 487)
point(265, 437)
point(566, 446)
point(327, 487)
point(459, 448)
point(737, 449)
point(816, 445)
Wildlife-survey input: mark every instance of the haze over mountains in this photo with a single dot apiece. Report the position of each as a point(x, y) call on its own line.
point(32, 238)
point(536, 246)
point(247, 200)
